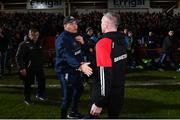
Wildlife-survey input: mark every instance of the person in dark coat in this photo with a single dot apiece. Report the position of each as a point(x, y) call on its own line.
point(29, 58)
point(111, 55)
point(69, 67)
point(168, 49)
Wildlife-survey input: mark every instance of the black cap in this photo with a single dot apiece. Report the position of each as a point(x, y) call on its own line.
point(88, 29)
point(69, 19)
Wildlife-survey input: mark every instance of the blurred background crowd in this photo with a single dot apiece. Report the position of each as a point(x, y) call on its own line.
point(148, 30)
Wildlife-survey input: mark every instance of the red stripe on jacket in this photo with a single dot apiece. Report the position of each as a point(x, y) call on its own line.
point(103, 52)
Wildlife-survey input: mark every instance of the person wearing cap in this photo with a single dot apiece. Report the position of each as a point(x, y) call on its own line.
point(90, 34)
point(89, 51)
point(69, 66)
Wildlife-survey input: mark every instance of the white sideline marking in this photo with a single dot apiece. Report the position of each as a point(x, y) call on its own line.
point(128, 84)
point(3, 85)
point(151, 84)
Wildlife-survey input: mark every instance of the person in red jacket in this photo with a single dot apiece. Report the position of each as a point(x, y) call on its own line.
point(111, 54)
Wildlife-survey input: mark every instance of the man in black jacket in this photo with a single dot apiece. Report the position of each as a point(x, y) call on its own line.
point(111, 54)
point(29, 58)
point(168, 50)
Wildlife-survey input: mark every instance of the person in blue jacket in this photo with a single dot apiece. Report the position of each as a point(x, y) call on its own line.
point(69, 65)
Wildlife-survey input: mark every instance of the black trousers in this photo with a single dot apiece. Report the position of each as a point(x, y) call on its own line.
point(3, 55)
point(171, 56)
point(28, 80)
point(113, 102)
point(72, 89)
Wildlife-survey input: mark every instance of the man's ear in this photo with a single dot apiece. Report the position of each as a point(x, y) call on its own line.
point(29, 34)
point(106, 25)
point(65, 25)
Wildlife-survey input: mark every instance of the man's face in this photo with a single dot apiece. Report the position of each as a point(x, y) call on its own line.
point(103, 25)
point(125, 31)
point(150, 33)
point(33, 36)
point(130, 34)
point(71, 27)
point(171, 33)
point(90, 32)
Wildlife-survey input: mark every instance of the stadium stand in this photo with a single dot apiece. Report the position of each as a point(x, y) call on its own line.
point(50, 22)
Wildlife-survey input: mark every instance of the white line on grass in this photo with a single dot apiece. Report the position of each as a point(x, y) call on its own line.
point(128, 84)
point(3, 85)
point(151, 84)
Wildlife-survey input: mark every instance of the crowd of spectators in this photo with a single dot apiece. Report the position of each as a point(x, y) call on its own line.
point(15, 26)
point(139, 23)
point(50, 23)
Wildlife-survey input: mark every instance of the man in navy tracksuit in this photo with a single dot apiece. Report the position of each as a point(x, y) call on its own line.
point(68, 66)
point(111, 55)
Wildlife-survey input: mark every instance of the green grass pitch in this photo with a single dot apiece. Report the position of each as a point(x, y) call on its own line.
point(148, 94)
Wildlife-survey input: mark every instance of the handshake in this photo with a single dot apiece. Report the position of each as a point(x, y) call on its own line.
point(84, 67)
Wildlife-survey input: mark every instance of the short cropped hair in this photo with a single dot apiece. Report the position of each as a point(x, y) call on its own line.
point(114, 17)
point(34, 30)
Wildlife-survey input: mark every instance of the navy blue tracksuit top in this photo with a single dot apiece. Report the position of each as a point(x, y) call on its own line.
point(68, 53)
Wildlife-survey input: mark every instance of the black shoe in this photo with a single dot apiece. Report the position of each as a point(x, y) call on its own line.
point(42, 98)
point(28, 102)
point(74, 115)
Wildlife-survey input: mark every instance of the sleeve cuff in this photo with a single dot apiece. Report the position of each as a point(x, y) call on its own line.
point(100, 103)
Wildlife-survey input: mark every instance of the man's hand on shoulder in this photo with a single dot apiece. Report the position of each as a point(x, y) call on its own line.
point(79, 39)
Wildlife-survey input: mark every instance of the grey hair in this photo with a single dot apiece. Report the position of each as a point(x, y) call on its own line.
point(113, 17)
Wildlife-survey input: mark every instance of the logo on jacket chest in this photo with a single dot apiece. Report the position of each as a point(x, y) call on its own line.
point(32, 47)
point(120, 58)
point(77, 52)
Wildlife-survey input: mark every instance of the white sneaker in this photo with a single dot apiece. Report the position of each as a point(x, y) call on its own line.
point(178, 70)
point(41, 98)
point(28, 102)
